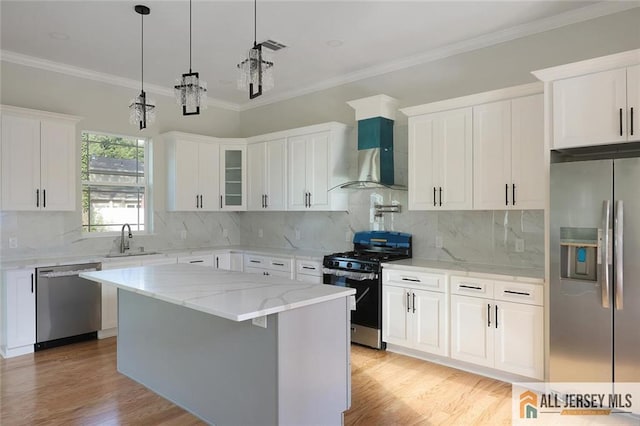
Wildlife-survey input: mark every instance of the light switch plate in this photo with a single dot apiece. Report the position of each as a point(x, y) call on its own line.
point(13, 242)
point(260, 321)
point(183, 234)
point(519, 245)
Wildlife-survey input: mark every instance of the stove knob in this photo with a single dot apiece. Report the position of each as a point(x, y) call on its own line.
point(336, 263)
point(349, 265)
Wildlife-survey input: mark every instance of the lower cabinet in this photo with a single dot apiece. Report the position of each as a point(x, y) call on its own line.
point(268, 265)
point(18, 312)
point(228, 261)
point(205, 259)
point(415, 316)
point(309, 271)
point(500, 326)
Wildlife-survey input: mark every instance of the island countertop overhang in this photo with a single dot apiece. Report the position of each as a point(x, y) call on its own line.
point(235, 296)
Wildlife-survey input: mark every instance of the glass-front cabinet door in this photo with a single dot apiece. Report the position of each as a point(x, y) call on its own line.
point(233, 177)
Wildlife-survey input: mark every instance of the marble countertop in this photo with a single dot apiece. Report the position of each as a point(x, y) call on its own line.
point(532, 275)
point(236, 296)
point(35, 262)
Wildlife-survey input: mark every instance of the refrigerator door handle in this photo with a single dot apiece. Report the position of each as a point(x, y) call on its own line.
point(619, 250)
point(604, 282)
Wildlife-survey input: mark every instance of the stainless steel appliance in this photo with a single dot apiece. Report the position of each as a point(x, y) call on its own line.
point(68, 308)
point(594, 268)
point(360, 269)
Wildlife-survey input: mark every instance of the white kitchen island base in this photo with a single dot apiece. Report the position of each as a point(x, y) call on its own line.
point(294, 372)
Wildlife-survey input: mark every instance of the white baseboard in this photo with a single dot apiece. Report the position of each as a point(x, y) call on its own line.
point(109, 332)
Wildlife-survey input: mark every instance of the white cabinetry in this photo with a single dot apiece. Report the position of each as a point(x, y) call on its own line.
point(318, 161)
point(203, 174)
point(414, 310)
point(202, 259)
point(508, 159)
point(39, 166)
point(268, 265)
point(18, 313)
point(440, 161)
point(267, 173)
point(498, 324)
point(596, 108)
point(309, 271)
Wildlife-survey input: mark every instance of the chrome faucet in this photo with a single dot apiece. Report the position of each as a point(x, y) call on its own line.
point(124, 244)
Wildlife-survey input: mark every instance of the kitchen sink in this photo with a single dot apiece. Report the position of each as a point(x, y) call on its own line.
point(132, 254)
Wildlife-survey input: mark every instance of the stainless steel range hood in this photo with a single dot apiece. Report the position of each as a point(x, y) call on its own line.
point(375, 116)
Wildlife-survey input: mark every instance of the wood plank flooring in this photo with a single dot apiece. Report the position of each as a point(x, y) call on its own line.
point(79, 385)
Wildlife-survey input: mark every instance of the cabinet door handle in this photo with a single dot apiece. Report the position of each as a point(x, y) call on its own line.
point(197, 206)
point(31, 283)
point(266, 201)
point(413, 304)
point(217, 262)
point(631, 121)
point(488, 315)
point(620, 121)
point(309, 199)
point(37, 198)
point(201, 203)
point(440, 195)
point(496, 316)
point(221, 201)
point(513, 194)
point(434, 196)
point(44, 198)
point(506, 194)
point(408, 303)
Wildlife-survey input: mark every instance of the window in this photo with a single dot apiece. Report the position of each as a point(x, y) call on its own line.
point(113, 182)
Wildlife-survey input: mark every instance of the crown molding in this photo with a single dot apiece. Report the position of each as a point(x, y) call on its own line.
point(567, 18)
point(44, 64)
point(603, 63)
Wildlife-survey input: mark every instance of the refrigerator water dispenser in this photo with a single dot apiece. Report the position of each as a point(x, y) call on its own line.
point(579, 253)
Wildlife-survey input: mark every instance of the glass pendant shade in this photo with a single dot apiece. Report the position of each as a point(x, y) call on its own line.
point(191, 93)
point(256, 71)
point(142, 110)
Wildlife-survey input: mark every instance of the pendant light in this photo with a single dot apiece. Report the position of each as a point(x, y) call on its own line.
point(257, 69)
point(190, 91)
point(142, 109)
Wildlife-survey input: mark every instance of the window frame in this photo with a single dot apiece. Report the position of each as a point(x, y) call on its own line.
point(148, 210)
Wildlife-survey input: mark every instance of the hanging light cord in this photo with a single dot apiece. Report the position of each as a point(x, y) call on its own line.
point(189, 36)
point(142, 55)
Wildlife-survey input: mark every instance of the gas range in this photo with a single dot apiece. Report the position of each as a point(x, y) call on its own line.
point(360, 269)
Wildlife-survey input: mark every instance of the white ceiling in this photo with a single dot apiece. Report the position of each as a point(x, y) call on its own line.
point(101, 39)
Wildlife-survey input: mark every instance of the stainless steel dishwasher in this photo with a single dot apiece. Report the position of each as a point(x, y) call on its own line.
point(68, 308)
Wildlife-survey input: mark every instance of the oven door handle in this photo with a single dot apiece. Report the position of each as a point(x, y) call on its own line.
point(358, 276)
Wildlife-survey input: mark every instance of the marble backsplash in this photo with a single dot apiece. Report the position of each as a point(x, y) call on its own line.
point(483, 237)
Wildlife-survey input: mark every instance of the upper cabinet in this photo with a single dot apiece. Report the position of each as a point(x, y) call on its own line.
point(204, 175)
point(318, 161)
point(594, 102)
point(508, 159)
point(482, 152)
point(267, 174)
point(39, 160)
point(440, 161)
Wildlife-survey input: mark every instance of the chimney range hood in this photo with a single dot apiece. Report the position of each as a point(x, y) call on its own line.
point(375, 116)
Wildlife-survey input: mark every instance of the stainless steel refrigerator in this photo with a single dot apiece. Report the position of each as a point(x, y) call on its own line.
point(595, 275)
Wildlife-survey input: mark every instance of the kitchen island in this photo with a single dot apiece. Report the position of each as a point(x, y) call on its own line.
point(235, 348)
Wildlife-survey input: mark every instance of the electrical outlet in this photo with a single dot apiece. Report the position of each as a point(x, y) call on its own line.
point(183, 234)
point(13, 242)
point(260, 321)
point(297, 234)
point(260, 233)
point(225, 233)
point(519, 245)
point(438, 241)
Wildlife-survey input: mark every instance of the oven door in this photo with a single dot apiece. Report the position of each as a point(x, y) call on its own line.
point(368, 294)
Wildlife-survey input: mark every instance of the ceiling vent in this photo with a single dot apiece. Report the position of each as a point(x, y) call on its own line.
point(273, 45)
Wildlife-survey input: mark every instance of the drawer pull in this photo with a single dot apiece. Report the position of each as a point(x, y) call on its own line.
point(254, 261)
point(471, 287)
point(196, 261)
point(519, 293)
point(309, 267)
point(413, 280)
point(277, 264)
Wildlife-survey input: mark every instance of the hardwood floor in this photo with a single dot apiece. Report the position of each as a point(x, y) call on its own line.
point(79, 385)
